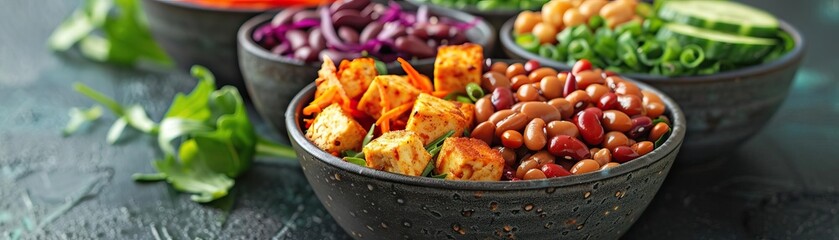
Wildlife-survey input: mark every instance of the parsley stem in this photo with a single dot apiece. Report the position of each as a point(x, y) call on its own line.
point(265, 147)
point(100, 98)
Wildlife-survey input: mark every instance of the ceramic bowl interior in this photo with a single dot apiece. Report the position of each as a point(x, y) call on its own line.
point(723, 110)
point(379, 204)
point(273, 80)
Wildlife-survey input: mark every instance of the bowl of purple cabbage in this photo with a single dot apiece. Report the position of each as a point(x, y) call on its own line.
point(280, 53)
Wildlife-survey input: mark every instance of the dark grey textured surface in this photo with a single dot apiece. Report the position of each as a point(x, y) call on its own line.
point(781, 184)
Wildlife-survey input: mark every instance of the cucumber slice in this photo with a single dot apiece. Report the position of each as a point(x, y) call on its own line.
point(724, 16)
point(719, 45)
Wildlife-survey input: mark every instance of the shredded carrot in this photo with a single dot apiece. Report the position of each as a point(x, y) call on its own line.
point(385, 104)
point(321, 102)
point(416, 79)
point(440, 93)
point(395, 112)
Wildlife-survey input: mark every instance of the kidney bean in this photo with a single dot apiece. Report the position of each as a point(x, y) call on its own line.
point(615, 139)
point(592, 151)
point(541, 110)
point(305, 14)
point(496, 117)
point(608, 101)
point(349, 4)
point(650, 97)
point(568, 147)
point(570, 85)
point(622, 154)
point(589, 77)
point(514, 122)
point(585, 166)
point(296, 38)
point(348, 34)
point(483, 109)
point(370, 31)
point(502, 98)
point(285, 16)
point(515, 69)
point(564, 106)
point(517, 107)
point(525, 166)
point(609, 165)
point(509, 155)
point(556, 128)
point(630, 104)
point(542, 157)
point(551, 87)
point(589, 124)
point(603, 156)
point(534, 134)
point(534, 174)
point(414, 46)
point(485, 131)
point(597, 112)
point(654, 109)
point(580, 66)
point(552, 170)
point(499, 67)
point(492, 80)
point(305, 54)
point(658, 131)
point(643, 147)
point(511, 139)
point(614, 120)
point(538, 74)
point(627, 88)
point(612, 81)
point(596, 91)
point(350, 18)
point(531, 65)
point(519, 80)
point(527, 93)
point(509, 174)
point(641, 126)
point(579, 99)
point(631, 142)
point(439, 31)
point(458, 38)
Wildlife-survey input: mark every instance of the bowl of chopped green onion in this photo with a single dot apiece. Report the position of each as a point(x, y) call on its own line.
point(729, 76)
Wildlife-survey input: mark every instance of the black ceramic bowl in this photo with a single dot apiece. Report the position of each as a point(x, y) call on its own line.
point(273, 80)
point(193, 34)
point(376, 204)
point(495, 17)
point(723, 110)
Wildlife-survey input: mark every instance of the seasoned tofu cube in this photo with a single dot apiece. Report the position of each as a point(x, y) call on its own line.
point(432, 117)
point(397, 152)
point(334, 130)
point(456, 66)
point(468, 111)
point(356, 75)
point(469, 159)
point(396, 89)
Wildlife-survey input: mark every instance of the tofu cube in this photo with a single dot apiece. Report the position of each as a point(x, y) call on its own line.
point(468, 111)
point(432, 117)
point(469, 159)
point(356, 75)
point(397, 152)
point(334, 130)
point(396, 89)
point(456, 66)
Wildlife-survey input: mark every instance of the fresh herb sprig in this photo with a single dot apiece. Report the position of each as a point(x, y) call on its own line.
point(210, 129)
point(434, 148)
point(112, 31)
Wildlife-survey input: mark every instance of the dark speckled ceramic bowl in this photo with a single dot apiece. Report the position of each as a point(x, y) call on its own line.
point(723, 110)
point(193, 34)
point(273, 80)
point(372, 204)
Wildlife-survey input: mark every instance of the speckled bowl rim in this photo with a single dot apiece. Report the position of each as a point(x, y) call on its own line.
point(672, 144)
point(249, 45)
point(789, 59)
point(199, 7)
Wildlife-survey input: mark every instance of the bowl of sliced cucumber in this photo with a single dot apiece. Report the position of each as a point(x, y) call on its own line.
point(727, 64)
